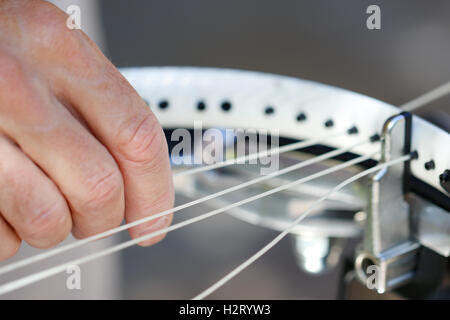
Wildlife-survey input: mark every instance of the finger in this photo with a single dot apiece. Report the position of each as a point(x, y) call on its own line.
point(125, 125)
point(29, 201)
point(81, 167)
point(114, 112)
point(9, 240)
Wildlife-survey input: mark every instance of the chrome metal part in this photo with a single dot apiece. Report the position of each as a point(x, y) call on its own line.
point(388, 243)
point(431, 225)
point(317, 254)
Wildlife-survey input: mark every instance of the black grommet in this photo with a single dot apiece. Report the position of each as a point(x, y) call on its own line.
point(226, 106)
point(352, 130)
point(329, 123)
point(414, 155)
point(201, 106)
point(430, 165)
point(164, 104)
point(444, 179)
point(445, 176)
point(301, 117)
point(376, 137)
point(269, 110)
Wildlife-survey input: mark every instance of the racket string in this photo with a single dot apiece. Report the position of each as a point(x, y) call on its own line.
point(16, 284)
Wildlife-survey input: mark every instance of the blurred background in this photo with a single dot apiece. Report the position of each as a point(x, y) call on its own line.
point(324, 41)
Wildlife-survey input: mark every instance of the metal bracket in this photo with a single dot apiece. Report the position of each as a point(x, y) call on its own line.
point(388, 242)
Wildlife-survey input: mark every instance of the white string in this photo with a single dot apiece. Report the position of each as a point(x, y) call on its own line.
point(261, 154)
point(277, 239)
point(50, 253)
point(412, 105)
point(27, 280)
point(427, 97)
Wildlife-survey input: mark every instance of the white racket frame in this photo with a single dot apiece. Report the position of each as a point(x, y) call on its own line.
point(251, 92)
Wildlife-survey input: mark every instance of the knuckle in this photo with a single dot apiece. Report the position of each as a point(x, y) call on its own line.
point(30, 107)
point(101, 189)
point(47, 224)
point(48, 36)
point(47, 28)
point(45, 16)
point(141, 141)
point(42, 15)
point(11, 72)
point(41, 24)
point(12, 176)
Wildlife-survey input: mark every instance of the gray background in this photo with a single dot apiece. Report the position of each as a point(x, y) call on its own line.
point(325, 41)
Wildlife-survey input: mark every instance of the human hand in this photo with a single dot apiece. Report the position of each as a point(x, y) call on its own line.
point(79, 149)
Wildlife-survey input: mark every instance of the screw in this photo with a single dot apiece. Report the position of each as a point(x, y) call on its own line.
point(301, 117)
point(352, 130)
point(269, 110)
point(226, 106)
point(376, 137)
point(430, 165)
point(201, 106)
point(164, 104)
point(329, 123)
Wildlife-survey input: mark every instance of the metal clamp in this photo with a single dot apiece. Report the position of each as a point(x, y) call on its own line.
point(388, 242)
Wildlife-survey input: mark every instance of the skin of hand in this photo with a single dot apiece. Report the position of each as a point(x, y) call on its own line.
point(79, 149)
